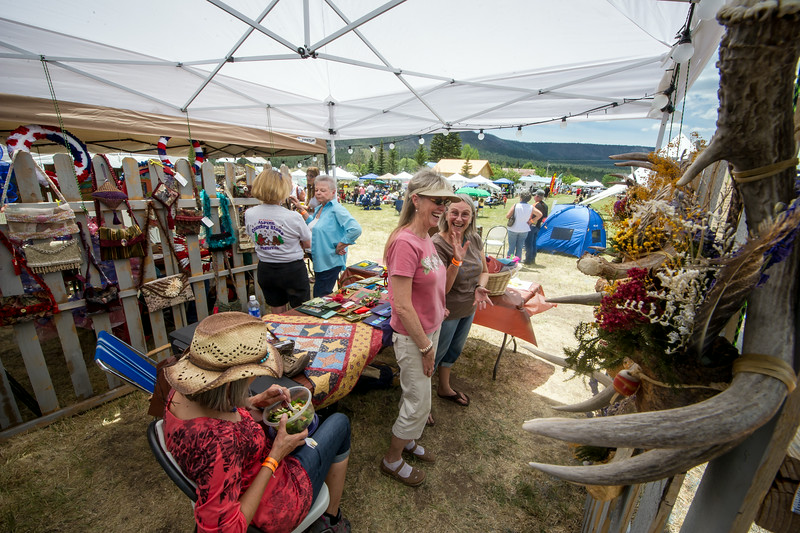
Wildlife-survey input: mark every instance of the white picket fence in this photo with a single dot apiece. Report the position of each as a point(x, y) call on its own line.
point(74, 360)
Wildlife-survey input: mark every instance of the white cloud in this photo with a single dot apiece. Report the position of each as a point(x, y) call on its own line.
point(710, 114)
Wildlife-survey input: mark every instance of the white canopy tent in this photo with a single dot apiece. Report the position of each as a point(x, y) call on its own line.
point(579, 183)
point(456, 180)
point(404, 177)
point(534, 179)
point(595, 183)
point(342, 174)
point(484, 182)
point(345, 69)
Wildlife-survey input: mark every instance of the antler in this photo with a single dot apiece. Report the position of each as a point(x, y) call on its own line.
point(762, 37)
point(648, 466)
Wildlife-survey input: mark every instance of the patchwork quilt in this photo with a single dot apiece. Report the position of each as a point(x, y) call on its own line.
point(339, 352)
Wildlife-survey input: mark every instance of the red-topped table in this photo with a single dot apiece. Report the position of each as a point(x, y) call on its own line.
point(511, 314)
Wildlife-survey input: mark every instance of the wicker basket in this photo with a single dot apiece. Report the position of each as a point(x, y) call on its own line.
point(499, 281)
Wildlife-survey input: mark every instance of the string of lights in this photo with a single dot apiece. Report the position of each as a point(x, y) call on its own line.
point(481, 135)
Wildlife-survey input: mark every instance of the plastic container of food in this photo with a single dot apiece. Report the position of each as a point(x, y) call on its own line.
point(298, 421)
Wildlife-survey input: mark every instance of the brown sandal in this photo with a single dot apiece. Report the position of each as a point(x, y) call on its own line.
point(414, 479)
point(427, 456)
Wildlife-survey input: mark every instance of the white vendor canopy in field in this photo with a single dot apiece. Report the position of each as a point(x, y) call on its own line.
point(347, 69)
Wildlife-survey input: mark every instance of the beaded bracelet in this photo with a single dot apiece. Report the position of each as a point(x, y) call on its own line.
point(427, 349)
point(270, 463)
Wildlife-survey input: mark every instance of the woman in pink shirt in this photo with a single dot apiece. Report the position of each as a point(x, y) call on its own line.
point(417, 294)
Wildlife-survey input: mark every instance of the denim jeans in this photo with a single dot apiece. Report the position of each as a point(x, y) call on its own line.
point(325, 280)
point(530, 245)
point(333, 446)
point(516, 243)
point(452, 337)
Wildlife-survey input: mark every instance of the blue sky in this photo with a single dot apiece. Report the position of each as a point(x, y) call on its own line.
point(700, 116)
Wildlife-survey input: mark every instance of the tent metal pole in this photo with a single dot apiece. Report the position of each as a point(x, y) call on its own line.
point(355, 24)
point(256, 25)
point(230, 53)
point(661, 130)
point(332, 132)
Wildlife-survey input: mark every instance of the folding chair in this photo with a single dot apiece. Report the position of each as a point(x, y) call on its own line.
point(495, 238)
point(125, 362)
point(155, 437)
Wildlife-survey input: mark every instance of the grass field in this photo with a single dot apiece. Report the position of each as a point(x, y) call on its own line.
point(94, 472)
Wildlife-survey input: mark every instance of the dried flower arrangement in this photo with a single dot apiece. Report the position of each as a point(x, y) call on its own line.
point(667, 314)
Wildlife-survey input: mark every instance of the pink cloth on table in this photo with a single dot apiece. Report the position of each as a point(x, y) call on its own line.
point(512, 312)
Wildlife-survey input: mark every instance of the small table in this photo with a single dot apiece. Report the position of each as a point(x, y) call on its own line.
point(511, 314)
point(340, 351)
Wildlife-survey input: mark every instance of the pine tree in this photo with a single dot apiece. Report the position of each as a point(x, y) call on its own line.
point(420, 155)
point(453, 145)
point(392, 162)
point(466, 169)
point(371, 165)
point(438, 147)
point(380, 165)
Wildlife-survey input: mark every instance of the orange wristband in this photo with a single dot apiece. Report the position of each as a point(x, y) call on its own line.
point(270, 463)
point(456, 263)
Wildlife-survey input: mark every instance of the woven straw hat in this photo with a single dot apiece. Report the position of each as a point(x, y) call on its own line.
point(226, 347)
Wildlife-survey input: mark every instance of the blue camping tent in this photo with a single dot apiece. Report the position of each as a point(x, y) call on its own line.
point(572, 229)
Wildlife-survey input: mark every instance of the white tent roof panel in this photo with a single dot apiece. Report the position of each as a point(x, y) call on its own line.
point(390, 69)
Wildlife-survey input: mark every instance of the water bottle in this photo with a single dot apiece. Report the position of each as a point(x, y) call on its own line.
point(253, 306)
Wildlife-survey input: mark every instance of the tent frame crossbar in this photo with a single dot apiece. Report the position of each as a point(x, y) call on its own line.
point(230, 53)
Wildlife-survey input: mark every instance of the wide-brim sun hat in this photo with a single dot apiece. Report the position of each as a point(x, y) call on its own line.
point(225, 347)
point(539, 192)
point(437, 191)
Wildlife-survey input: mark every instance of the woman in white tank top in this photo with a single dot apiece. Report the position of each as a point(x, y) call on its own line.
point(519, 229)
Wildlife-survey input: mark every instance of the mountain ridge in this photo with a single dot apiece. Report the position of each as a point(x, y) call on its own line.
point(510, 153)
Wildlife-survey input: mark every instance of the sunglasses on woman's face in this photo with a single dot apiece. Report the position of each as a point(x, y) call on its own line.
point(439, 201)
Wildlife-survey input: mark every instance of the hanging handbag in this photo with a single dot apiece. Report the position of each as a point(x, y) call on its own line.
point(53, 256)
point(35, 221)
point(245, 243)
point(190, 221)
point(219, 242)
point(169, 290)
point(512, 218)
point(109, 193)
point(122, 243)
point(102, 299)
point(28, 306)
point(118, 243)
point(165, 195)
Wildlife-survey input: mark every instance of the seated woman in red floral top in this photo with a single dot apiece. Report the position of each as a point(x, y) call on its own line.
point(243, 476)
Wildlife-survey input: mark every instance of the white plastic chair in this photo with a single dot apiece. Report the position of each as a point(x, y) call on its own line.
point(495, 241)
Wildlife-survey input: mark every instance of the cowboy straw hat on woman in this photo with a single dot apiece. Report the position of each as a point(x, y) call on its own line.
point(225, 347)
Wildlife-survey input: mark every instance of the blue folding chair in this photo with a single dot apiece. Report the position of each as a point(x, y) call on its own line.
point(123, 361)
